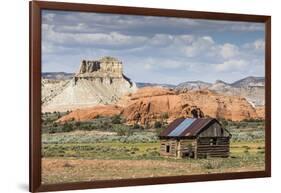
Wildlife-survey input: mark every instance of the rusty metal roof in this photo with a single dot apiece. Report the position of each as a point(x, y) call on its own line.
point(188, 127)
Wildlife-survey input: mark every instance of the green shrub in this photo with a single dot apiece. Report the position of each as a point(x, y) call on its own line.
point(261, 152)
point(212, 164)
point(123, 130)
point(154, 153)
point(77, 124)
point(157, 124)
point(52, 130)
point(137, 126)
point(67, 127)
point(116, 119)
point(208, 166)
point(159, 131)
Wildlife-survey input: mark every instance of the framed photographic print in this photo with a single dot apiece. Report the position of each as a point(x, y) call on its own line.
point(123, 96)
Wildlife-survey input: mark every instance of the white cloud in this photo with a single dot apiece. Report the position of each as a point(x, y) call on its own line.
point(246, 27)
point(231, 65)
point(184, 39)
point(229, 50)
point(48, 48)
point(153, 45)
point(147, 66)
point(200, 46)
point(156, 64)
point(109, 40)
point(48, 17)
point(257, 45)
point(149, 24)
point(161, 40)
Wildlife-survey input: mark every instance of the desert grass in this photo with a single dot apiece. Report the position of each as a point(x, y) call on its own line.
point(115, 160)
point(92, 155)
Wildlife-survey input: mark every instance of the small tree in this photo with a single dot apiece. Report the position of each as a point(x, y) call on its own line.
point(59, 115)
point(120, 130)
point(77, 124)
point(157, 124)
point(116, 119)
point(137, 126)
point(123, 130)
point(52, 130)
point(159, 131)
point(67, 127)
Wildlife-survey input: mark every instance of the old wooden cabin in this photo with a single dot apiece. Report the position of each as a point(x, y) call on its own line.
point(195, 138)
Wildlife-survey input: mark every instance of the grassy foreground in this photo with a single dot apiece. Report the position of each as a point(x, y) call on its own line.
point(117, 160)
point(106, 149)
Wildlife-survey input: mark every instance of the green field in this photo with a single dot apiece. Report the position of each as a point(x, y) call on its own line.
point(105, 148)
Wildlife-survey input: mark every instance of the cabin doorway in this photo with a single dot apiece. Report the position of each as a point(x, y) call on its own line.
point(168, 149)
point(188, 154)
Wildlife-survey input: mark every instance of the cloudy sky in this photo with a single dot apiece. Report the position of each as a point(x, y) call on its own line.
point(154, 49)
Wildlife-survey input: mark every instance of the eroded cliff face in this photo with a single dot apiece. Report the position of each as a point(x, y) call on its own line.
point(105, 67)
point(151, 104)
point(95, 83)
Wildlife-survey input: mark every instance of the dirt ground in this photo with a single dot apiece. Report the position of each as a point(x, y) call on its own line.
point(61, 170)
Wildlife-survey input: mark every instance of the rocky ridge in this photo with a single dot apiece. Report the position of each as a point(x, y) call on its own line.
point(251, 88)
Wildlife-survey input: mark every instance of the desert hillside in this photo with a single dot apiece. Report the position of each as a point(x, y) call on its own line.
point(251, 88)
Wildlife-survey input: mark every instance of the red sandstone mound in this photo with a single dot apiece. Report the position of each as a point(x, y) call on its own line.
point(91, 113)
point(150, 104)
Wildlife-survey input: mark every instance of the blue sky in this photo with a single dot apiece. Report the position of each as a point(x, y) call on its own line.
point(154, 49)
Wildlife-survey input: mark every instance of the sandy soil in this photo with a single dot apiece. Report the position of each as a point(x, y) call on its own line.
point(56, 170)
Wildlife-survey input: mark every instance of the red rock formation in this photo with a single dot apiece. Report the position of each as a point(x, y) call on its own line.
point(150, 104)
point(91, 113)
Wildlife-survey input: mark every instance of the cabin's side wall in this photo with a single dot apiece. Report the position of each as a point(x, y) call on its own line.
point(214, 130)
point(186, 148)
point(212, 147)
point(168, 147)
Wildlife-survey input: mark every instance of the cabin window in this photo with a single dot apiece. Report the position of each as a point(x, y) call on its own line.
point(213, 141)
point(167, 148)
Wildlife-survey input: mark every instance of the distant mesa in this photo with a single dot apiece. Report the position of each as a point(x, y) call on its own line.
point(96, 82)
point(106, 66)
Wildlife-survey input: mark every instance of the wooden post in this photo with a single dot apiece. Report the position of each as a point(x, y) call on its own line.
point(195, 148)
point(179, 149)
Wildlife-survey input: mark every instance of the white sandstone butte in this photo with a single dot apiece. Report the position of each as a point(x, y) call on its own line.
point(96, 82)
